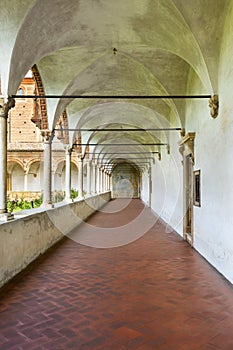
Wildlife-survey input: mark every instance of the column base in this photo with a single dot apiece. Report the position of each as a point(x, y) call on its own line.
point(6, 217)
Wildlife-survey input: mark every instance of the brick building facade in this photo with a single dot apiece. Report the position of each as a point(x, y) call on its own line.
point(25, 147)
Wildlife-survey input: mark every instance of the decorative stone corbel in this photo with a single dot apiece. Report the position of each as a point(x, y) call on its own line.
point(186, 145)
point(47, 135)
point(6, 106)
point(182, 132)
point(214, 106)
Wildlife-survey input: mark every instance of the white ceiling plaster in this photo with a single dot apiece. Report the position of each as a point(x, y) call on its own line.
point(160, 44)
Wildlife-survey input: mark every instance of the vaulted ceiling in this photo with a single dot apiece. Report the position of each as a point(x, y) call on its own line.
point(159, 44)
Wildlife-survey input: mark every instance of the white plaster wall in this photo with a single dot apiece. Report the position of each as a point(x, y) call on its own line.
point(24, 239)
point(167, 177)
point(213, 221)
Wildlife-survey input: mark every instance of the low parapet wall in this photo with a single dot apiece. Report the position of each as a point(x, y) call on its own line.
point(24, 239)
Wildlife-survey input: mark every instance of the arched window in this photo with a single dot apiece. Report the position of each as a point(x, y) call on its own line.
point(20, 92)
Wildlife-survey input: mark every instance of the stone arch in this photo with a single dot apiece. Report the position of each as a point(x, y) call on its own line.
point(59, 175)
point(15, 176)
point(126, 180)
point(11, 163)
point(34, 175)
point(40, 117)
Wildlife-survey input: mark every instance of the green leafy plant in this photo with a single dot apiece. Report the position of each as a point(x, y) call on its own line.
point(74, 193)
point(18, 204)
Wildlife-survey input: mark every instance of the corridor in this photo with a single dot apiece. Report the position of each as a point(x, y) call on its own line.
point(153, 293)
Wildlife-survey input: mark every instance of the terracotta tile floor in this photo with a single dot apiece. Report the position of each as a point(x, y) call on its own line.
point(155, 293)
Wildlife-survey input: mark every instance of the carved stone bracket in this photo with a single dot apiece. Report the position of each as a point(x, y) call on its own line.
point(214, 106)
point(47, 135)
point(6, 106)
point(186, 145)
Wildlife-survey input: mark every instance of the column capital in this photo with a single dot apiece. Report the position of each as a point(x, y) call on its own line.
point(80, 159)
point(47, 135)
point(6, 105)
point(68, 149)
point(186, 145)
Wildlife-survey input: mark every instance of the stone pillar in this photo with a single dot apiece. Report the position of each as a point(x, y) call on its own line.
point(80, 178)
point(102, 175)
point(25, 187)
point(108, 183)
point(89, 177)
point(47, 191)
point(68, 174)
point(105, 181)
point(186, 149)
point(149, 185)
point(97, 179)
point(101, 180)
point(4, 109)
point(94, 178)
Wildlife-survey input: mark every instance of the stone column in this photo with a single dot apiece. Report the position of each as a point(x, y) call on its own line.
point(186, 149)
point(5, 106)
point(149, 185)
point(108, 187)
point(80, 178)
point(25, 187)
point(97, 179)
point(94, 178)
point(68, 174)
point(105, 181)
point(47, 191)
point(101, 180)
point(89, 177)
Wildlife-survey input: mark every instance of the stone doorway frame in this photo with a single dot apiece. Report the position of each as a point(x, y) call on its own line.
point(186, 148)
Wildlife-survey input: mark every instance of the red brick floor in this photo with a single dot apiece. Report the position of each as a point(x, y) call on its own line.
point(155, 293)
